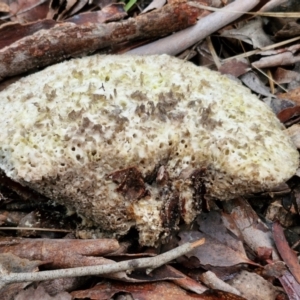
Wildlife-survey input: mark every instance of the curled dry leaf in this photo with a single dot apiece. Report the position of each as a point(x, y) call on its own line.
point(212, 253)
point(253, 231)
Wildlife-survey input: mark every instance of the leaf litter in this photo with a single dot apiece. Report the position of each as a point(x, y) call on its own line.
point(241, 250)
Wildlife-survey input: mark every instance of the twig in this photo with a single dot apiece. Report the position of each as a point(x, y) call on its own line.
point(35, 229)
point(183, 39)
point(66, 40)
point(129, 265)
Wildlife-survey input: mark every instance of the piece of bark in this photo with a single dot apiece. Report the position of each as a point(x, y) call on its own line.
point(69, 40)
point(180, 41)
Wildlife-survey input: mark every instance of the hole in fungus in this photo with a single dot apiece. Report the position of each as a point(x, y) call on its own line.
point(170, 143)
point(107, 78)
point(94, 152)
point(109, 142)
point(182, 141)
point(142, 162)
point(62, 164)
point(78, 157)
point(134, 135)
point(226, 152)
point(73, 148)
point(161, 145)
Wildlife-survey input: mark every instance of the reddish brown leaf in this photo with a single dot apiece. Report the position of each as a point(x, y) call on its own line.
point(12, 263)
point(293, 95)
point(109, 13)
point(149, 291)
point(11, 32)
point(28, 10)
point(212, 224)
point(235, 67)
point(253, 231)
point(287, 254)
point(288, 113)
point(282, 75)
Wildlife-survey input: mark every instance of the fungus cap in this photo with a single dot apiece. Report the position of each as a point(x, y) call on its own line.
point(137, 141)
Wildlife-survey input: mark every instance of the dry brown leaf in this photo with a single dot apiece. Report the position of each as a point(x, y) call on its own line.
point(212, 224)
point(80, 252)
point(149, 291)
point(253, 81)
point(253, 286)
point(254, 232)
point(282, 75)
point(78, 6)
point(40, 293)
point(24, 11)
point(235, 67)
point(288, 113)
point(290, 285)
point(251, 33)
point(293, 95)
point(11, 32)
point(10, 263)
point(280, 57)
point(287, 254)
point(110, 13)
point(212, 253)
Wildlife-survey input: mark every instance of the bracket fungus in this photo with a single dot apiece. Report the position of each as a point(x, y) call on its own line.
point(138, 141)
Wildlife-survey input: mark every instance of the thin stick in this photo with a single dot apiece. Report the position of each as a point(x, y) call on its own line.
point(148, 262)
point(184, 39)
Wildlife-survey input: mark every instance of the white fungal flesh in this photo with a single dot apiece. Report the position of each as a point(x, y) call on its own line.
point(66, 128)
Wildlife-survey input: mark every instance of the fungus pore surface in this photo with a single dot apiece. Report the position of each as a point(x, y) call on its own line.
point(138, 141)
